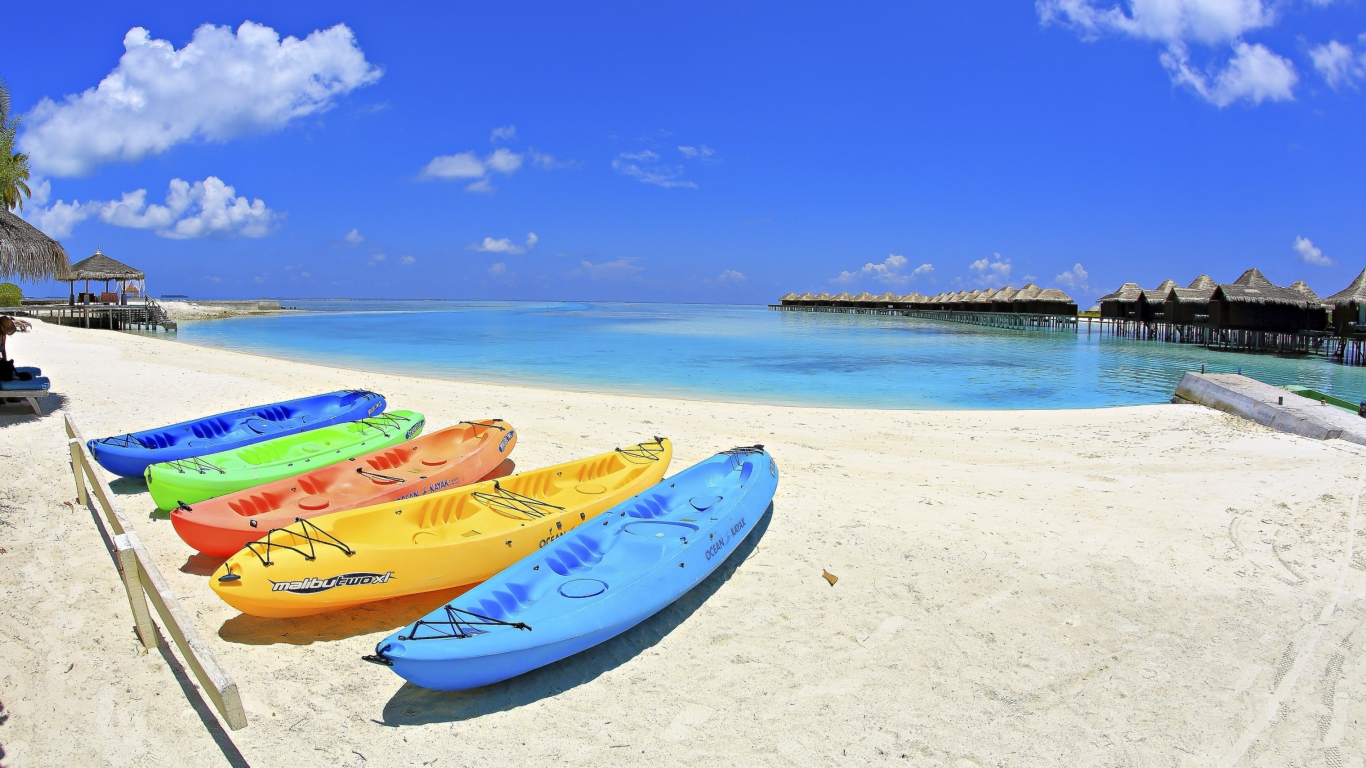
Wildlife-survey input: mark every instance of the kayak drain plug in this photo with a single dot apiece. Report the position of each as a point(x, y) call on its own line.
point(252, 523)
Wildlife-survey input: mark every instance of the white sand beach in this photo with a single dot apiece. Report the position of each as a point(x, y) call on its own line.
point(1159, 585)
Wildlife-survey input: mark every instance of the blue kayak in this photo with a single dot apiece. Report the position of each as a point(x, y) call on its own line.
point(129, 455)
point(593, 583)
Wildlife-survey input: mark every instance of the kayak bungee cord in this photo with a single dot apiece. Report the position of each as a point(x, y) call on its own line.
point(506, 503)
point(195, 462)
point(737, 455)
point(487, 426)
point(454, 627)
point(387, 419)
point(302, 533)
point(122, 441)
point(363, 472)
point(644, 450)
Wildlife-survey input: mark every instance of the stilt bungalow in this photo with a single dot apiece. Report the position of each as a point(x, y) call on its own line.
point(1122, 304)
point(1349, 308)
point(1254, 303)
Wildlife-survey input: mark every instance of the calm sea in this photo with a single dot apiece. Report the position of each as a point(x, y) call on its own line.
point(747, 353)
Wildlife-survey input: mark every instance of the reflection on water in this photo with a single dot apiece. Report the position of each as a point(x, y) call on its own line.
point(748, 353)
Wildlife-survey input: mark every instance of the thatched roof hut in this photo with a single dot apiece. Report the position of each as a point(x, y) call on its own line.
point(1122, 304)
point(1349, 307)
point(1190, 305)
point(26, 253)
point(1052, 301)
point(101, 268)
point(1152, 302)
point(1021, 300)
point(1000, 301)
point(1254, 303)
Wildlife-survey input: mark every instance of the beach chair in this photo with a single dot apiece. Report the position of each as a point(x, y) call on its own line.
point(30, 390)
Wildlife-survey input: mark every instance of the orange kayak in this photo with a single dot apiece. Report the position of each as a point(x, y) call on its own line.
point(465, 453)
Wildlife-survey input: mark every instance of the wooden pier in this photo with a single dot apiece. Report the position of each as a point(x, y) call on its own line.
point(1021, 321)
point(145, 315)
point(1348, 350)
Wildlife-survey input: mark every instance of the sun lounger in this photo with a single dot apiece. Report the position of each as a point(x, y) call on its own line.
point(30, 390)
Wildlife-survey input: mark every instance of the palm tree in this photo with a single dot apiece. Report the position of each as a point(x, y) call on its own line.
point(14, 171)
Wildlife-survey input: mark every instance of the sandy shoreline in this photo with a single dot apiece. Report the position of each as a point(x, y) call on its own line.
point(1118, 586)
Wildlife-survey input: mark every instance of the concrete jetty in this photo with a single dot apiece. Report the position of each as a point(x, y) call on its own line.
point(1271, 406)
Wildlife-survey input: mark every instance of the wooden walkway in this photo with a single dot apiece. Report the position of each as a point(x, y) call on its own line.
point(1348, 351)
point(142, 316)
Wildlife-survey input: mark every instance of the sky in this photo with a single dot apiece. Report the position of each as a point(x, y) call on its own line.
point(695, 152)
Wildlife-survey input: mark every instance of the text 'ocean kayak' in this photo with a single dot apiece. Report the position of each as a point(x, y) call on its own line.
point(432, 542)
point(187, 481)
point(438, 461)
point(592, 584)
point(129, 455)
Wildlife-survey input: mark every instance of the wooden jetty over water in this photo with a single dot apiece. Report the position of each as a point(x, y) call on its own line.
point(1251, 314)
point(141, 315)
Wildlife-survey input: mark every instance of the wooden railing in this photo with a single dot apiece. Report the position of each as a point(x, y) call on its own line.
point(142, 580)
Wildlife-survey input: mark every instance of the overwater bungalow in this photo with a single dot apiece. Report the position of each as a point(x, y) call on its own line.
point(1052, 301)
point(1348, 307)
point(864, 299)
point(823, 299)
point(1019, 303)
point(1152, 303)
point(1190, 305)
point(1122, 304)
point(1000, 301)
point(842, 299)
point(1254, 303)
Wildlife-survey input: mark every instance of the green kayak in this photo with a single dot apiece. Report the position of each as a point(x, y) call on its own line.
point(186, 481)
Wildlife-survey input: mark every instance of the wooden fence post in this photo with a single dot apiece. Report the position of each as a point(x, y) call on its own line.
point(132, 581)
point(78, 470)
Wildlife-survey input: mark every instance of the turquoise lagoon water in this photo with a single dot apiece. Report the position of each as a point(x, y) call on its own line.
point(747, 353)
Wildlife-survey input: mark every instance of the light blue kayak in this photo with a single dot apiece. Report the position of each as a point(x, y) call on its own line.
point(593, 583)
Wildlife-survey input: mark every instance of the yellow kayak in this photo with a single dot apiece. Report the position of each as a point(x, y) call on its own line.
point(442, 540)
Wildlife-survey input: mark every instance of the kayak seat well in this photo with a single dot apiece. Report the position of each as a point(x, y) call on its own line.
point(389, 459)
point(211, 428)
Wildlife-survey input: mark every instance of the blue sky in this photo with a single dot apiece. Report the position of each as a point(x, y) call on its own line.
point(696, 152)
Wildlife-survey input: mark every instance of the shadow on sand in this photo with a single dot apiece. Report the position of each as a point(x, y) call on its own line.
point(127, 486)
point(200, 564)
point(19, 412)
point(411, 705)
point(382, 616)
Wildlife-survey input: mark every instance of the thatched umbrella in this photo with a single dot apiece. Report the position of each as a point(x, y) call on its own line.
point(26, 253)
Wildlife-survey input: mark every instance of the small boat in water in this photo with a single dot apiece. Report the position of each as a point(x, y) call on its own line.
point(592, 584)
point(187, 481)
point(129, 455)
point(468, 452)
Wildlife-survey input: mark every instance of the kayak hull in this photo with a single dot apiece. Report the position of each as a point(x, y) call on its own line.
point(439, 461)
point(189, 481)
point(129, 455)
point(592, 584)
point(430, 543)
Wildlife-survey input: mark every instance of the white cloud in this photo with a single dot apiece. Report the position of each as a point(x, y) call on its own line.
point(1310, 254)
point(1075, 279)
point(503, 133)
point(468, 165)
point(644, 166)
point(504, 245)
point(497, 269)
point(1338, 64)
point(218, 87)
point(354, 237)
point(888, 271)
point(697, 153)
point(624, 267)
point(731, 276)
point(991, 273)
point(58, 219)
point(1253, 73)
point(503, 161)
point(464, 165)
point(208, 208)
point(1168, 21)
point(407, 259)
point(376, 260)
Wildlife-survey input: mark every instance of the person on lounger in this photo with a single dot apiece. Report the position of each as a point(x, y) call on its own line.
point(8, 327)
